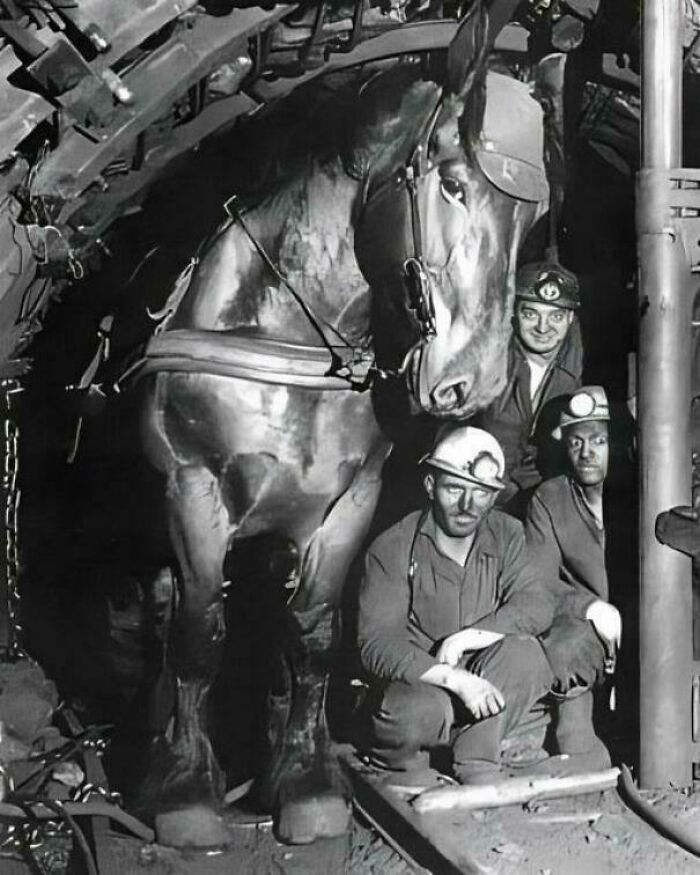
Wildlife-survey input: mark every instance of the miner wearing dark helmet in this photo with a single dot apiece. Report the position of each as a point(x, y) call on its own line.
point(545, 361)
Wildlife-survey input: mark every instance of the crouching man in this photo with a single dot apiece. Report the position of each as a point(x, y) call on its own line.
point(450, 610)
point(566, 535)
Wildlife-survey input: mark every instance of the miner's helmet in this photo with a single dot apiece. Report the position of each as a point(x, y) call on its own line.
point(469, 453)
point(547, 282)
point(587, 404)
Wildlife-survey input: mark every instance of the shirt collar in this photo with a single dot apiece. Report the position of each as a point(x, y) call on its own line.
point(580, 496)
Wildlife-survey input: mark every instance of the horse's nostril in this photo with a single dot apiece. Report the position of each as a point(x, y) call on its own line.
point(451, 394)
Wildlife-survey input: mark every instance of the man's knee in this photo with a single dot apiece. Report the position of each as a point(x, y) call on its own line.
point(412, 716)
point(575, 653)
point(513, 661)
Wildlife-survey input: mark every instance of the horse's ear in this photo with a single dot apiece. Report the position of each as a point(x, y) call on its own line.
point(468, 52)
point(465, 54)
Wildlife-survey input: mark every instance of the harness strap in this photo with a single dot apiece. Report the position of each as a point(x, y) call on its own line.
point(231, 207)
point(87, 381)
point(259, 359)
point(410, 259)
point(416, 228)
point(182, 284)
point(98, 829)
point(414, 267)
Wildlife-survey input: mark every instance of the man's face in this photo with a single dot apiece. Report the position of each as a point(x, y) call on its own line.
point(541, 328)
point(458, 505)
point(588, 451)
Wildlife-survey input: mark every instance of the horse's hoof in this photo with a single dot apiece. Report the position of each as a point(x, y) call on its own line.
point(195, 827)
point(304, 820)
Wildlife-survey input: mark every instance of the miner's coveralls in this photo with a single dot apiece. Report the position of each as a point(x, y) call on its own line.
point(413, 596)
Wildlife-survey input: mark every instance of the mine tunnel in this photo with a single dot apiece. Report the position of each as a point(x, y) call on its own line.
point(130, 132)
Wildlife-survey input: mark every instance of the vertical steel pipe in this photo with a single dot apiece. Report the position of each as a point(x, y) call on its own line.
point(663, 405)
point(662, 91)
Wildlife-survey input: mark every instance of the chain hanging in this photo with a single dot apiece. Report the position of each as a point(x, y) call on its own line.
point(12, 494)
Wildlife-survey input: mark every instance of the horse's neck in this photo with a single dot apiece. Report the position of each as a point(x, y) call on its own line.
point(306, 230)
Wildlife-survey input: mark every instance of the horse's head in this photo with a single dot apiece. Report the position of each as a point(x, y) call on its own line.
point(454, 177)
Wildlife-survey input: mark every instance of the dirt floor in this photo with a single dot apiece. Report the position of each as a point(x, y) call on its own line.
point(590, 835)
point(253, 851)
point(594, 834)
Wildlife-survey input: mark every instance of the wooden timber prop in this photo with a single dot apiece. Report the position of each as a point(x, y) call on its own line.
point(514, 791)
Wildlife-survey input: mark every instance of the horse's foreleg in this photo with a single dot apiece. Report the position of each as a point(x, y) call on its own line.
point(190, 783)
point(311, 792)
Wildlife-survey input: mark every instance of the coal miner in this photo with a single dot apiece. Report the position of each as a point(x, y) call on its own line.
point(450, 610)
point(566, 535)
point(544, 362)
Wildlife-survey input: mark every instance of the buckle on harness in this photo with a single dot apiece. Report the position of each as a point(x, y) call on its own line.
point(420, 298)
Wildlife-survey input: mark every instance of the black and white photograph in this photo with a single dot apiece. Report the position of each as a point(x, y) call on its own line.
point(350, 437)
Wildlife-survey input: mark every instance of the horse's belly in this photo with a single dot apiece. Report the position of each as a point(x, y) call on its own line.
point(283, 454)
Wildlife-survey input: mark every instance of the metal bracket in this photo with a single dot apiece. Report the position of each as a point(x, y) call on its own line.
point(672, 199)
point(28, 47)
point(311, 55)
point(347, 44)
point(60, 68)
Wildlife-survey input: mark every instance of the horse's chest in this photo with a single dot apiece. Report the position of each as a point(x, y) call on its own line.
point(283, 454)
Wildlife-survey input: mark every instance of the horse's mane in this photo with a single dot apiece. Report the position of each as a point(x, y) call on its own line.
point(357, 116)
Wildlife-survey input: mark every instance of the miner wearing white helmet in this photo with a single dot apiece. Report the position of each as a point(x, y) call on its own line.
point(450, 611)
point(566, 534)
point(545, 360)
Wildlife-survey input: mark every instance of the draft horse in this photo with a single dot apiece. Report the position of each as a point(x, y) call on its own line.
point(387, 254)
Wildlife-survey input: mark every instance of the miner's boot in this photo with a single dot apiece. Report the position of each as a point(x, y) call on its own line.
point(575, 736)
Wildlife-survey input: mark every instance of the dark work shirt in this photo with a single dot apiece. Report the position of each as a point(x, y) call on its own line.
point(566, 544)
point(512, 419)
point(404, 616)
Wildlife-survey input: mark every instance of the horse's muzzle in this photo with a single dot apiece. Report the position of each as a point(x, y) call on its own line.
point(413, 368)
point(442, 398)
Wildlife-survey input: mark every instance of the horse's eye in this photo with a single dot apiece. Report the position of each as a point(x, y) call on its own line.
point(453, 189)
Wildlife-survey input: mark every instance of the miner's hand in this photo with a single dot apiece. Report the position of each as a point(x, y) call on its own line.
point(480, 696)
point(608, 624)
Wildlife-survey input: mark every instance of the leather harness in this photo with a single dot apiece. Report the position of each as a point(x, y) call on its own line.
point(279, 362)
point(262, 360)
point(393, 206)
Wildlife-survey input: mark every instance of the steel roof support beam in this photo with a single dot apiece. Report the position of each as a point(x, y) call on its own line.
point(663, 405)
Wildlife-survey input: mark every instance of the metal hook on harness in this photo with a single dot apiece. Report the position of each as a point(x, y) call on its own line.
point(420, 296)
